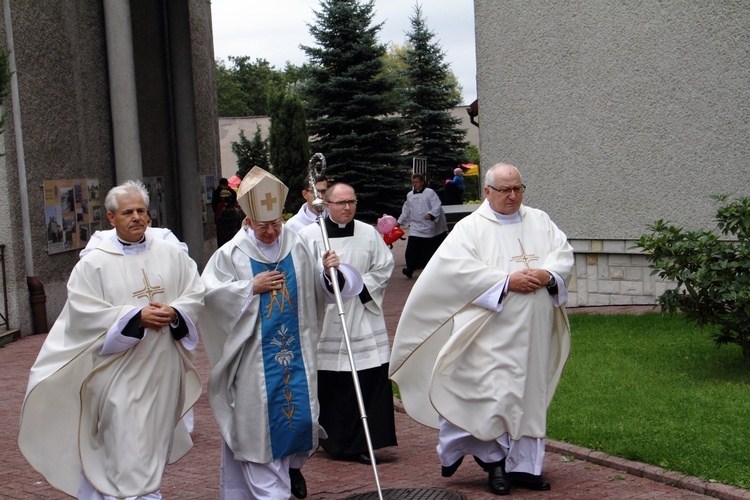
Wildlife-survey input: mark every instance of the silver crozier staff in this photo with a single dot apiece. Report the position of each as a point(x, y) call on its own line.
point(317, 168)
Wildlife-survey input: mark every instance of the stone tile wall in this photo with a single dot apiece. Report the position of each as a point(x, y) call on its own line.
point(612, 273)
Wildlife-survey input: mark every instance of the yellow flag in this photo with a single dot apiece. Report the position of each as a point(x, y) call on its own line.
point(472, 171)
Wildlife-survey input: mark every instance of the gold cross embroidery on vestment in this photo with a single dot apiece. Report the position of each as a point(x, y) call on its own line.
point(526, 258)
point(148, 290)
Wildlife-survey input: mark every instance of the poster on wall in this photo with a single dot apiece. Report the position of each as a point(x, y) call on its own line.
point(72, 213)
point(157, 204)
point(208, 185)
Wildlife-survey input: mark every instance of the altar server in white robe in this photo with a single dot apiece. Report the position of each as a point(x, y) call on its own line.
point(361, 246)
point(483, 337)
point(306, 215)
point(266, 289)
point(101, 417)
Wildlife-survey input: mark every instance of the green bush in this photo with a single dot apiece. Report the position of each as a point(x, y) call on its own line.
point(712, 271)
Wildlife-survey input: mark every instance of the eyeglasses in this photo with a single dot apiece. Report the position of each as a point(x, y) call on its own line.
point(264, 226)
point(506, 191)
point(343, 203)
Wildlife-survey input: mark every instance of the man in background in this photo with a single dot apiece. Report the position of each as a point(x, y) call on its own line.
point(424, 215)
point(306, 215)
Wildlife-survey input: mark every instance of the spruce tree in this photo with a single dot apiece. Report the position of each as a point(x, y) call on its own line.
point(250, 153)
point(352, 115)
point(288, 143)
point(431, 131)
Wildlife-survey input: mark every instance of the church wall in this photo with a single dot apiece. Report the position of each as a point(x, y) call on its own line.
point(63, 93)
point(618, 114)
point(61, 56)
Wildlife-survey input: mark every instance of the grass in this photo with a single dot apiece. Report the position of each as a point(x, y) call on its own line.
point(654, 389)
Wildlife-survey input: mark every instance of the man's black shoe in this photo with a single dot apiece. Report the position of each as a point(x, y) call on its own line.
point(498, 483)
point(407, 273)
point(451, 469)
point(528, 481)
point(299, 485)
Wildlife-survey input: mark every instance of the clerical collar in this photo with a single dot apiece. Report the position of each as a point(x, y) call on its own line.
point(336, 230)
point(418, 191)
point(508, 219)
point(128, 243)
point(270, 250)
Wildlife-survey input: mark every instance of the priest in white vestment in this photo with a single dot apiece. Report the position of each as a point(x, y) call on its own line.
point(359, 245)
point(483, 337)
point(266, 289)
point(101, 417)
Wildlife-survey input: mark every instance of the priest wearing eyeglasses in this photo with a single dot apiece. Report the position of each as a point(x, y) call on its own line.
point(361, 246)
point(265, 293)
point(483, 337)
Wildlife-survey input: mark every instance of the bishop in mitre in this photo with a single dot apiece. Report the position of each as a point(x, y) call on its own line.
point(265, 294)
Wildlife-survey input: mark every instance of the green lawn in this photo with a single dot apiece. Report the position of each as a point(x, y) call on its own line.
point(654, 389)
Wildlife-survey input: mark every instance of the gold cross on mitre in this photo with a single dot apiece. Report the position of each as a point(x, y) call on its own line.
point(524, 257)
point(148, 290)
point(269, 201)
point(261, 195)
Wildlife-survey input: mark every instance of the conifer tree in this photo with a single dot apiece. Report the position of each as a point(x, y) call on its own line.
point(351, 112)
point(250, 153)
point(431, 131)
point(288, 143)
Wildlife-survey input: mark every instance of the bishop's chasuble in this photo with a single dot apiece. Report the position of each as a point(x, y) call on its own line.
point(486, 372)
point(263, 382)
point(114, 416)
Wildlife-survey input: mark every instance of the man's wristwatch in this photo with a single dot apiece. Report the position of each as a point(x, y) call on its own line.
point(552, 281)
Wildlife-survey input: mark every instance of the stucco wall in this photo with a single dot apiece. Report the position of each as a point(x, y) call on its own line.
point(62, 70)
point(618, 113)
point(63, 92)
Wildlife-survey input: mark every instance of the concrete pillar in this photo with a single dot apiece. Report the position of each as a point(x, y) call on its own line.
point(122, 90)
point(186, 135)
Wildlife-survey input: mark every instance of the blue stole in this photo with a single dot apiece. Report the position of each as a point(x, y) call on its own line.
point(287, 392)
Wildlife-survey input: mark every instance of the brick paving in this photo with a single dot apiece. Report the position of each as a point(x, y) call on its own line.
point(573, 471)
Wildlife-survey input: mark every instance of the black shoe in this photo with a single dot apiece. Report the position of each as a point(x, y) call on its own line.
point(528, 481)
point(497, 481)
point(362, 458)
point(451, 469)
point(407, 273)
point(299, 485)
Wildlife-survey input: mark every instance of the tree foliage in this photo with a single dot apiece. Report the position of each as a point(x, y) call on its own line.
point(250, 153)
point(230, 96)
point(431, 92)
point(350, 106)
point(712, 271)
point(288, 142)
point(243, 86)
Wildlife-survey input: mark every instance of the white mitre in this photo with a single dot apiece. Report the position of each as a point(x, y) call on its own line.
point(261, 195)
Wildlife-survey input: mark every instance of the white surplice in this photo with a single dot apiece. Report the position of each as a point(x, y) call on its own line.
point(121, 410)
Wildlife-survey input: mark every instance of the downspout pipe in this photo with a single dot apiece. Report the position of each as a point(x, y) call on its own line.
point(37, 297)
